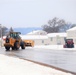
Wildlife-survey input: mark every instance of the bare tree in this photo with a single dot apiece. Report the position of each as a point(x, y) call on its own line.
point(11, 29)
point(57, 25)
point(3, 30)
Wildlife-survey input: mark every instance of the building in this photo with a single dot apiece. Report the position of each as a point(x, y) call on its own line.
point(56, 38)
point(38, 39)
point(38, 32)
point(71, 34)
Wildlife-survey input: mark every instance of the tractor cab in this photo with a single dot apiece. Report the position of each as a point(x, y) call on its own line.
point(15, 35)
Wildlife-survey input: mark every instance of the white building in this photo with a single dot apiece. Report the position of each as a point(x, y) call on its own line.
point(71, 34)
point(38, 39)
point(56, 38)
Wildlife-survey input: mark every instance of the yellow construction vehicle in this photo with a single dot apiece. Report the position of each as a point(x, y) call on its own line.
point(14, 41)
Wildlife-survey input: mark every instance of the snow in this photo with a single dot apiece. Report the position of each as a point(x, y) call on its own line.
point(37, 32)
point(16, 66)
point(72, 29)
point(54, 47)
point(57, 34)
point(33, 37)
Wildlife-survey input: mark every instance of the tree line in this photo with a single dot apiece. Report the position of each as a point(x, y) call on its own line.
point(57, 25)
point(54, 25)
point(4, 30)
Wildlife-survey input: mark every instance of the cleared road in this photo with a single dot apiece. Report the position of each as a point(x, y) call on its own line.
point(62, 59)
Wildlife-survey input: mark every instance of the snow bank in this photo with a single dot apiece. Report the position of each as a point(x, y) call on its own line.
point(54, 47)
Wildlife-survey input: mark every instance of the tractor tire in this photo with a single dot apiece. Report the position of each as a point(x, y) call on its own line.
point(7, 48)
point(22, 45)
point(16, 45)
point(13, 48)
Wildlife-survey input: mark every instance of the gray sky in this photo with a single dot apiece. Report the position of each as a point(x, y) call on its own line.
point(35, 13)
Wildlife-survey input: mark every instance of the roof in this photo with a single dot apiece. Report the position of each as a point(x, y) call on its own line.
point(72, 29)
point(32, 37)
point(57, 34)
point(37, 32)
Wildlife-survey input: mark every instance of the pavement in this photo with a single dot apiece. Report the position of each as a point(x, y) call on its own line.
point(15, 66)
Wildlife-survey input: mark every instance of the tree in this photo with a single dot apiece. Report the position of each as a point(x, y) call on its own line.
point(3, 30)
point(57, 25)
point(11, 29)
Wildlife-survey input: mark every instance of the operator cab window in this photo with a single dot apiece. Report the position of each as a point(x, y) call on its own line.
point(11, 35)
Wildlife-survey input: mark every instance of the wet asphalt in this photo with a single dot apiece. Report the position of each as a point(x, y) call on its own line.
point(65, 59)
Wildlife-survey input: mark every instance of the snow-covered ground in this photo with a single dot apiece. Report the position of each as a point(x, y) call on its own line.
point(16, 66)
point(54, 47)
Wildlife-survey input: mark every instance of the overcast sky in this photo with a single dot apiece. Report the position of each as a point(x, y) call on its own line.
point(35, 13)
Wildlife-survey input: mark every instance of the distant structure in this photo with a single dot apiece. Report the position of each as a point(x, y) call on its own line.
point(57, 38)
point(38, 32)
point(71, 34)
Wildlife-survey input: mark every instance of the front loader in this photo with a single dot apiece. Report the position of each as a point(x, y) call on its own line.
point(14, 41)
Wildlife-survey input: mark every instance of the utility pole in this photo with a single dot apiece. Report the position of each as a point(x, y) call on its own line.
point(1, 34)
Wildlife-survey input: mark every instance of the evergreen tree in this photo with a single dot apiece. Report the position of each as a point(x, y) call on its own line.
point(11, 29)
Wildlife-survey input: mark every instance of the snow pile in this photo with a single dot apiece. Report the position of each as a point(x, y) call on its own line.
point(54, 47)
point(16, 66)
